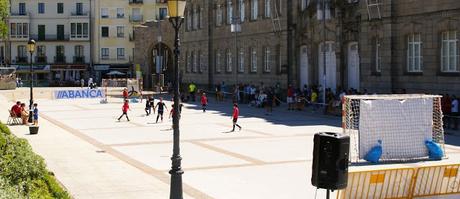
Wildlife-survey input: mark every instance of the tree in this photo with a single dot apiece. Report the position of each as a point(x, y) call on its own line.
point(4, 7)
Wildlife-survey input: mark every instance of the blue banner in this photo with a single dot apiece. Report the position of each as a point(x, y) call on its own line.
point(79, 94)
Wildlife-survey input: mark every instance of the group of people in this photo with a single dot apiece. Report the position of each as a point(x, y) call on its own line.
point(450, 106)
point(91, 84)
point(19, 110)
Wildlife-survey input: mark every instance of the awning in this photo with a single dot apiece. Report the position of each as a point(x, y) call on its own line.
point(36, 68)
point(68, 67)
point(120, 66)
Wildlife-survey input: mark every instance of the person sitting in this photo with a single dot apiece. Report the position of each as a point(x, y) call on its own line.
point(16, 109)
point(24, 114)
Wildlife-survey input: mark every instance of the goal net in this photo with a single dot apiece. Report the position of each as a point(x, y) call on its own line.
point(401, 122)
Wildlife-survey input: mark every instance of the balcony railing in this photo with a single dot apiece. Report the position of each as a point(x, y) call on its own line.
point(19, 14)
point(104, 57)
point(59, 59)
point(79, 13)
point(79, 59)
point(64, 37)
point(135, 1)
point(41, 59)
point(21, 59)
point(136, 18)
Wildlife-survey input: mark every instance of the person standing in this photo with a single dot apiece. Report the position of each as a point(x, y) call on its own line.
point(90, 82)
point(24, 114)
point(454, 112)
point(204, 102)
point(148, 106)
point(161, 106)
point(35, 114)
point(82, 82)
point(192, 91)
point(125, 109)
point(235, 115)
point(290, 98)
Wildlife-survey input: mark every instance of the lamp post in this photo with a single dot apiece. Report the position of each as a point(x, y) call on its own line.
point(31, 49)
point(176, 17)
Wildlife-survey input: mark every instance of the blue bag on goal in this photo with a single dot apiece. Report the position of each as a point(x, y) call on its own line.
point(375, 153)
point(434, 150)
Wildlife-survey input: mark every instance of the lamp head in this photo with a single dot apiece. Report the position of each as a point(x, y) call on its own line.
point(176, 8)
point(31, 46)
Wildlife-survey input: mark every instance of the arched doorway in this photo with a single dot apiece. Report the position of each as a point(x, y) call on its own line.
point(161, 63)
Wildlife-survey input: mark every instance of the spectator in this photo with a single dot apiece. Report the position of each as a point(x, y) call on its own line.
point(290, 98)
point(24, 114)
point(192, 91)
point(16, 109)
point(219, 96)
point(454, 112)
point(82, 82)
point(90, 82)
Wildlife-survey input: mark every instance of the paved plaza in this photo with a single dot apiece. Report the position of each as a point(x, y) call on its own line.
point(95, 156)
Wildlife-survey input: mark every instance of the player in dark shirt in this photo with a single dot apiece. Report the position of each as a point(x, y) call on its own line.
point(161, 106)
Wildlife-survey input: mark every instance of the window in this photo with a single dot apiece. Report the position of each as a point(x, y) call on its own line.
point(189, 20)
point(120, 31)
point(229, 12)
point(105, 31)
point(253, 60)
point(79, 51)
point(320, 13)
point(242, 10)
point(41, 51)
point(268, 11)
point(200, 18)
point(19, 30)
point(41, 8)
point(254, 9)
point(414, 54)
point(22, 51)
point(449, 52)
point(120, 12)
point(218, 61)
point(60, 8)
point(194, 61)
point(219, 14)
point(60, 55)
point(163, 13)
point(120, 53)
point(267, 60)
point(104, 13)
point(201, 62)
point(195, 18)
point(22, 8)
point(304, 4)
point(377, 56)
point(79, 8)
point(104, 53)
point(241, 61)
point(78, 30)
point(229, 61)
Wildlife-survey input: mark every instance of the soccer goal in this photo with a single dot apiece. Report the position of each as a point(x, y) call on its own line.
point(401, 122)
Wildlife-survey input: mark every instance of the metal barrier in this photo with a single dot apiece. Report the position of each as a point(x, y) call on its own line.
point(403, 183)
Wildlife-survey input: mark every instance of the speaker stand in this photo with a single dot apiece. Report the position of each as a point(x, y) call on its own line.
point(327, 194)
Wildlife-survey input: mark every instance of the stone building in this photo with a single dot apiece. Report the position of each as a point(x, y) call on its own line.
point(211, 52)
point(381, 46)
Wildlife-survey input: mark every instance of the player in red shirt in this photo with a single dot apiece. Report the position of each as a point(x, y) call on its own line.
point(204, 102)
point(125, 93)
point(236, 113)
point(125, 109)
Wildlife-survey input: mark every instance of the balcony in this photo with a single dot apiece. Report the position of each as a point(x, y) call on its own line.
point(19, 14)
point(136, 18)
point(59, 60)
point(21, 60)
point(50, 37)
point(136, 1)
point(78, 59)
point(41, 59)
point(79, 13)
point(105, 57)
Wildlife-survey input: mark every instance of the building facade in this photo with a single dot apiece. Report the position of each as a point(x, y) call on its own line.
point(113, 33)
point(61, 30)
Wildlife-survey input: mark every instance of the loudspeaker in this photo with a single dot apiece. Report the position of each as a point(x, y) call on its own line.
point(330, 161)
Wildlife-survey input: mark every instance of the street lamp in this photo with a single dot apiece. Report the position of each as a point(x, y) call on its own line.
point(176, 10)
point(31, 49)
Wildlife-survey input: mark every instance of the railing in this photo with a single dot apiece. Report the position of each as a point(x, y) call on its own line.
point(19, 14)
point(59, 59)
point(105, 57)
point(136, 18)
point(21, 59)
point(79, 59)
point(135, 1)
point(64, 37)
point(79, 13)
point(41, 59)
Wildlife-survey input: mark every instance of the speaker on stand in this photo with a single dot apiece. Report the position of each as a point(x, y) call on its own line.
point(330, 161)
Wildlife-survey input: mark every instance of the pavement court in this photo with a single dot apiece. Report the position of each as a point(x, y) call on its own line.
point(95, 156)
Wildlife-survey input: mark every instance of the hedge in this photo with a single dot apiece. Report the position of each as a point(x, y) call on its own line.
point(23, 173)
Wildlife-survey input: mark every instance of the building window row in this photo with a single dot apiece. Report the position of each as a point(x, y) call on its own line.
point(41, 8)
point(19, 30)
point(449, 53)
point(79, 30)
point(194, 18)
point(268, 8)
point(195, 62)
point(59, 56)
point(105, 31)
point(253, 58)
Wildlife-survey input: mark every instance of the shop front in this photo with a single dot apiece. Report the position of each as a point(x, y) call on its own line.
point(67, 75)
point(41, 74)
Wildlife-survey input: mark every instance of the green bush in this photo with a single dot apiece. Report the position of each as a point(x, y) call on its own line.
point(23, 173)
